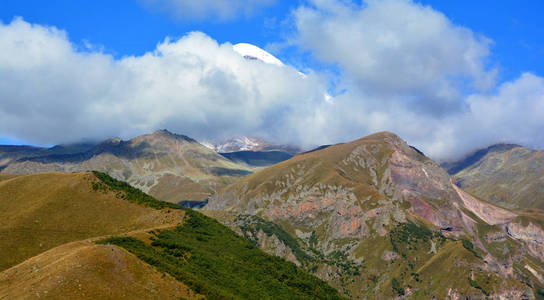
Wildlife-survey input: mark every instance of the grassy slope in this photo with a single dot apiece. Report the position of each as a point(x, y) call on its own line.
point(6, 176)
point(85, 270)
point(39, 212)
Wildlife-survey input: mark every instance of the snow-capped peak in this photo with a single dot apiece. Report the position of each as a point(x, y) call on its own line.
point(253, 52)
point(237, 144)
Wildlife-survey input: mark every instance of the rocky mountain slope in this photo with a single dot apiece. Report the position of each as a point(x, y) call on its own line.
point(505, 174)
point(10, 154)
point(159, 250)
point(376, 217)
point(171, 167)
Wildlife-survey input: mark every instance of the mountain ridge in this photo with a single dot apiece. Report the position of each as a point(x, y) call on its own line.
point(171, 166)
point(506, 174)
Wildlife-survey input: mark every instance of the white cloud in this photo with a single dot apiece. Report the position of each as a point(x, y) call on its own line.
point(404, 67)
point(221, 10)
point(396, 47)
point(407, 68)
point(514, 113)
point(53, 93)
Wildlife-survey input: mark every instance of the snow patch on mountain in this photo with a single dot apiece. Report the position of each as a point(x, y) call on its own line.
point(238, 144)
point(252, 52)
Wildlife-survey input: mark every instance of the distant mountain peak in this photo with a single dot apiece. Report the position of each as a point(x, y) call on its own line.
point(456, 166)
point(113, 141)
point(165, 133)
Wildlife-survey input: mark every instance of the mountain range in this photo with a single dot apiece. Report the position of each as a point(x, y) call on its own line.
point(374, 218)
point(171, 167)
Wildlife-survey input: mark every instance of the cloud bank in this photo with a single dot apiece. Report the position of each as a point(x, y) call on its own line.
point(52, 93)
point(403, 67)
point(218, 10)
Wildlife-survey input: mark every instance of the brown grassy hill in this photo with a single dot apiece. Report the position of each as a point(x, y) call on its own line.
point(6, 176)
point(508, 175)
point(42, 211)
point(85, 270)
point(155, 163)
point(375, 216)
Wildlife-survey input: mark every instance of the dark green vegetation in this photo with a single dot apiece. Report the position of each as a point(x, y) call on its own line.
point(470, 247)
point(475, 284)
point(397, 288)
point(217, 263)
point(409, 237)
point(127, 192)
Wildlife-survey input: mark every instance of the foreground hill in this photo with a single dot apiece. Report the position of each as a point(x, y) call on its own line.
point(376, 217)
point(86, 270)
point(42, 211)
point(171, 167)
point(160, 249)
point(505, 174)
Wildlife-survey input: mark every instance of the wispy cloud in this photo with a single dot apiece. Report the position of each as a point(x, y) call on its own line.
point(215, 10)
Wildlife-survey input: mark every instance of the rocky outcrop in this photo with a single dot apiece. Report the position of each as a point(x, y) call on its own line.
point(531, 235)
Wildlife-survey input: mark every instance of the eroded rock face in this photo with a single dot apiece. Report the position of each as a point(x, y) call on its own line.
point(275, 247)
point(489, 213)
point(531, 235)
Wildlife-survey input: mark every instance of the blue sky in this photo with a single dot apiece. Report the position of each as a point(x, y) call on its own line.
point(132, 28)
